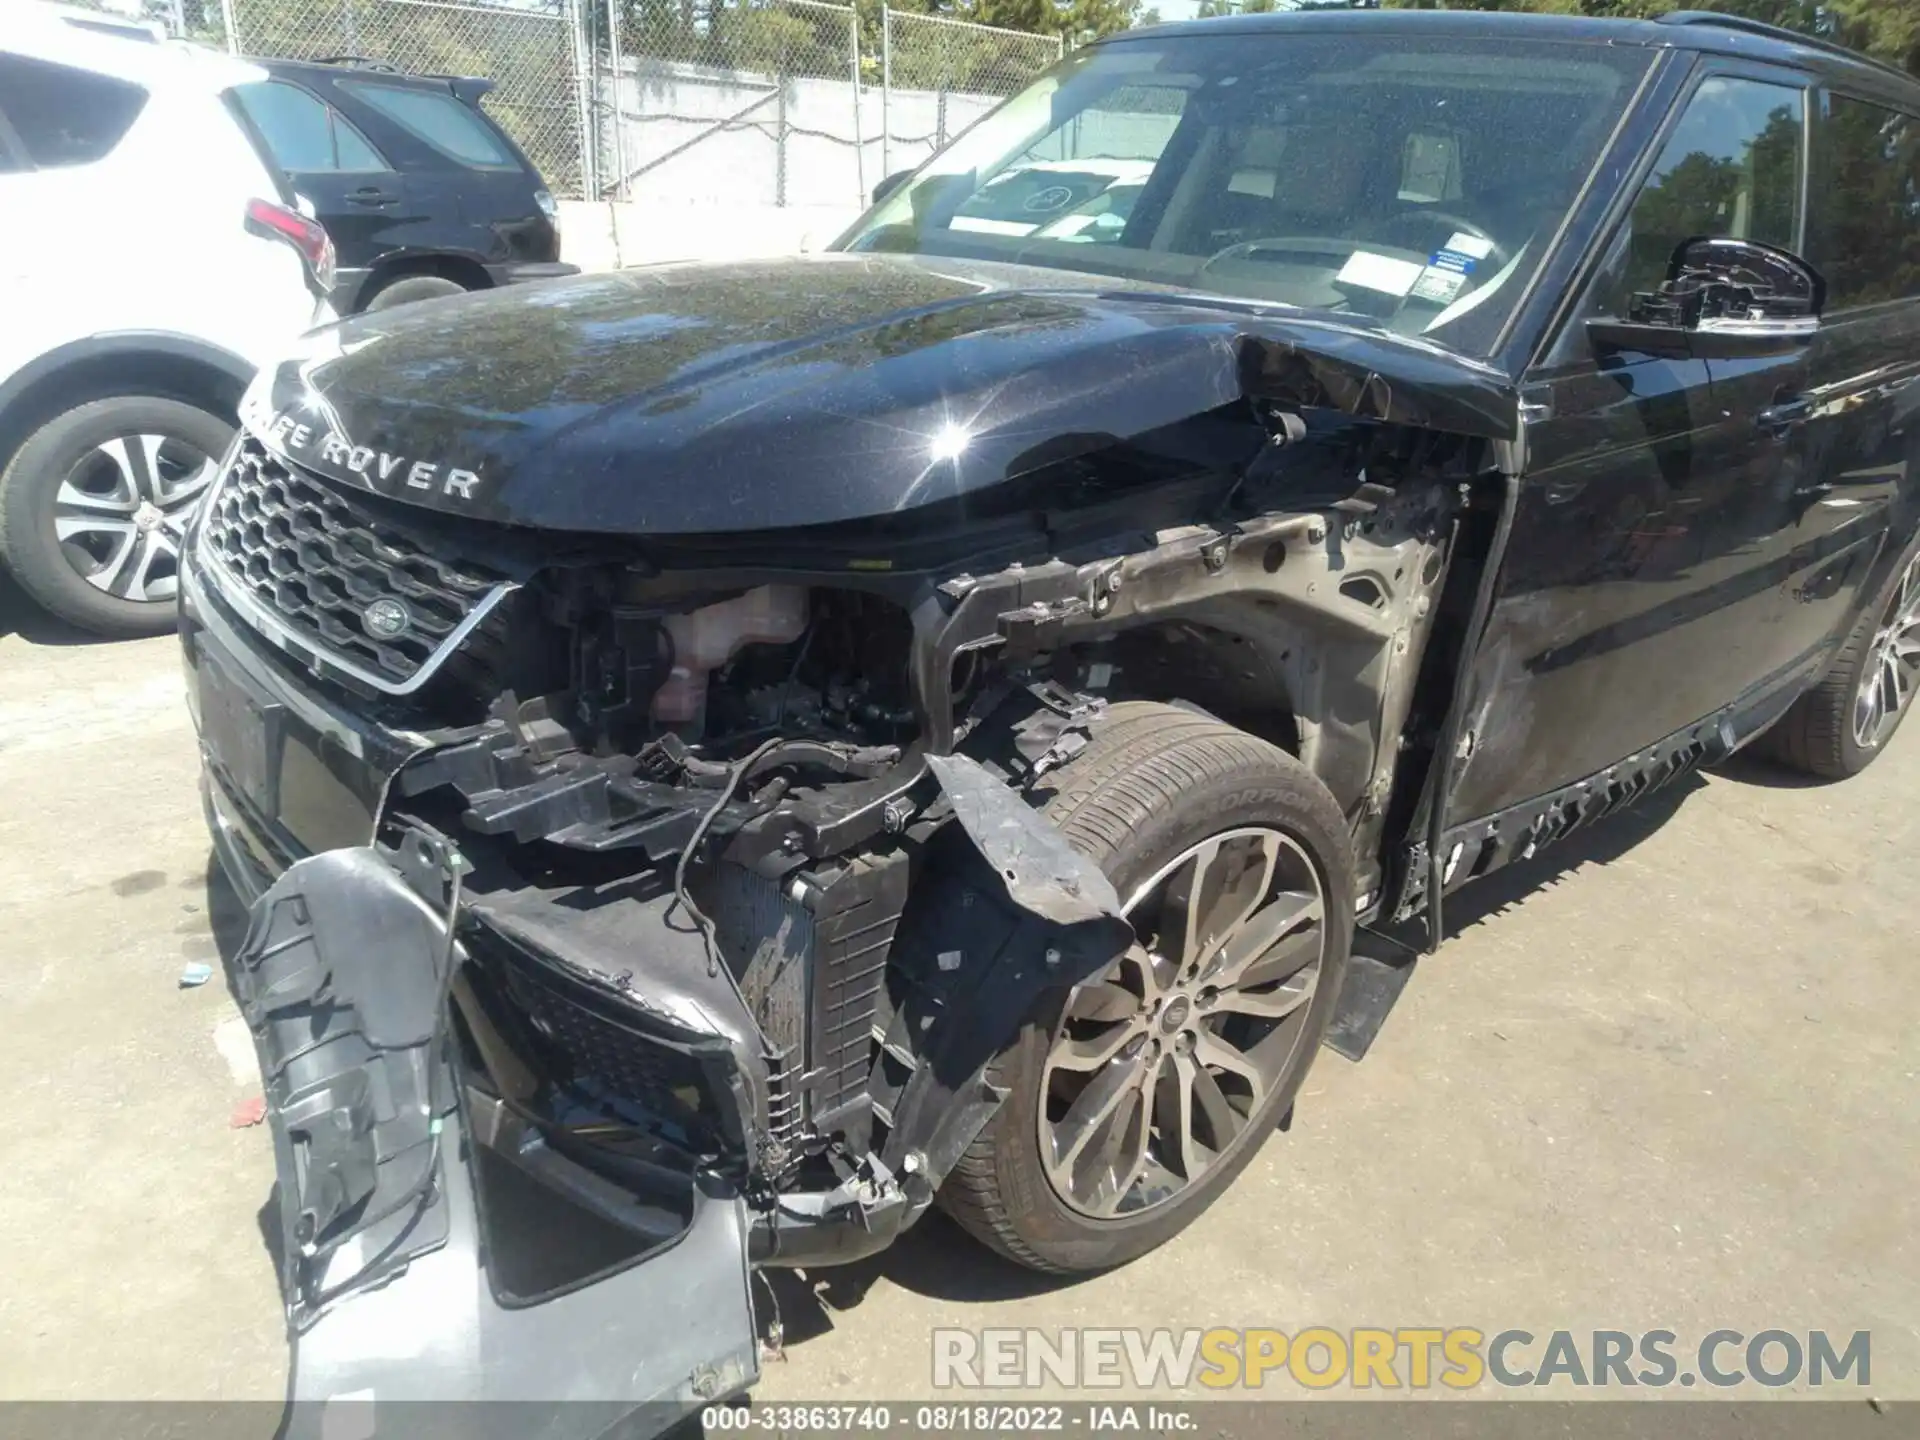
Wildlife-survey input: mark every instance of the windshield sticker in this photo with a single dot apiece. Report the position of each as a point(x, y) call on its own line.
point(1476, 247)
point(1440, 286)
point(1452, 260)
point(1379, 272)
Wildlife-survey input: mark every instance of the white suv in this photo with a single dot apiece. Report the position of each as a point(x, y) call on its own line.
point(150, 262)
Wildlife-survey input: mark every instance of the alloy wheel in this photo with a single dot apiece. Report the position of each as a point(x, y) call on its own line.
point(1161, 1065)
point(121, 513)
point(1893, 665)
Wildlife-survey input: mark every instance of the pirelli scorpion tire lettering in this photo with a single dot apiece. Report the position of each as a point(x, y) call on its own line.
point(1138, 1097)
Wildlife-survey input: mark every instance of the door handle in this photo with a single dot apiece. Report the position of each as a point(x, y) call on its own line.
point(1778, 419)
point(371, 196)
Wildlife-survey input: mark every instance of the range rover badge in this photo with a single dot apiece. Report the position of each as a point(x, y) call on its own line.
point(386, 619)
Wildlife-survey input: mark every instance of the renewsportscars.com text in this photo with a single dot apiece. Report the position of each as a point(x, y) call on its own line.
point(1409, 1357)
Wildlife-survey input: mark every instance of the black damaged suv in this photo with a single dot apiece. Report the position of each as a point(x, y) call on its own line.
point(421, 191)
point(726, 757)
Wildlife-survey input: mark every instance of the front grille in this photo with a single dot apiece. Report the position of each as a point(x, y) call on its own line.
point(315, 561)
point(593, 1049)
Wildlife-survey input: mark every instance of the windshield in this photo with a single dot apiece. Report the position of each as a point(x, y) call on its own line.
point(1414, 180)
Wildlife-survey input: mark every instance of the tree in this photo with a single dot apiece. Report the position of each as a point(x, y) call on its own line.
point(1077, 21)
point(1886, 29)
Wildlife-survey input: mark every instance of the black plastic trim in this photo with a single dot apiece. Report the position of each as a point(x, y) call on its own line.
point(120, 344)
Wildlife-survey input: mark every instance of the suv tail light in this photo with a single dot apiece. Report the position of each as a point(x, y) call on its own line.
point(309, 237)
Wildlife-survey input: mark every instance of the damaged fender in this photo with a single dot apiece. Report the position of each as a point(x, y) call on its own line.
point(994, 962)
point(1039, 866)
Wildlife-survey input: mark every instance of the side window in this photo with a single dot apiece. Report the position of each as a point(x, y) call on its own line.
point(63, 116)
point(1865, 229)
point(442, 120)
point(302, 132)
point(1731, 168)
point(351, 149)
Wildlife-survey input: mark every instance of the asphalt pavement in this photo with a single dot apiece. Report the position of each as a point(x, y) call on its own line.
point(1663, 1077)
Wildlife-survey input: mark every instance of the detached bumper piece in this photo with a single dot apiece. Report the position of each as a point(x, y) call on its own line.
point(435, 1247)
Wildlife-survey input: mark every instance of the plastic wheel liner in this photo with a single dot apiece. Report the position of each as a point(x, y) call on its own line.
point(433, 1247)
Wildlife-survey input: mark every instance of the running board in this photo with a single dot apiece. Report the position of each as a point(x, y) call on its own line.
point(1376, 974)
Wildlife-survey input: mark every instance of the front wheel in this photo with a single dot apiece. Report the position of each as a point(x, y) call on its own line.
point(94, 508)
point(1137, 1097)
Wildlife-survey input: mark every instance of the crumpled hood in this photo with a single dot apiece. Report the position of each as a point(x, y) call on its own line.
point(715, 398)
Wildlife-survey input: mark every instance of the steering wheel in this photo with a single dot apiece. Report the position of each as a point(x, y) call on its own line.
point(1496, 255)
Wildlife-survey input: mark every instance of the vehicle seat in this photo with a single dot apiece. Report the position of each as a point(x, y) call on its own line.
point(1323, 183)
point(1292, 182)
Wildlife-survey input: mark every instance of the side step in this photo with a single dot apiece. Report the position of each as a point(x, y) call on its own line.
point(1376, 974)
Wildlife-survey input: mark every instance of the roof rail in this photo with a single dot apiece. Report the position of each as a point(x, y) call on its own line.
point(1740, 23)
point(358, 62)
point(468, 87)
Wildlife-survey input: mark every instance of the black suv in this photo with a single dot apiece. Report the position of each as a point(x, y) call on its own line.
point(422, 192)
point(730, 756)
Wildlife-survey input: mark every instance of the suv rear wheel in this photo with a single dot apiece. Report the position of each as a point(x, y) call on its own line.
point(94, 508)
point(1839, 727)
point(1138, 1097)
point(409, 288)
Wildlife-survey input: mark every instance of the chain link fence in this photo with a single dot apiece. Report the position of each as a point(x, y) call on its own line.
point(938, 76)
point(748, 102)
point(790, 102)
point(755, 102)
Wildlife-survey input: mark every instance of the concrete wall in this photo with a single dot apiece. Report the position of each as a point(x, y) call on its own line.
point(607, 235)
point(730, 165)
point(691, 134)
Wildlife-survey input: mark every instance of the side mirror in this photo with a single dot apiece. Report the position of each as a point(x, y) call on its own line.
point(1722, 299)
point(892, 183)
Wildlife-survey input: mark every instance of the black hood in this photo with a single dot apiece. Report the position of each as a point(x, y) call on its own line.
point(734, 397)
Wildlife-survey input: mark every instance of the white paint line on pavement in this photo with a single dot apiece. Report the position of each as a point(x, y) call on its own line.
point(235, 1043)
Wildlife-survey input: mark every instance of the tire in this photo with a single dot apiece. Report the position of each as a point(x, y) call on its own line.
point(410, 288)
point(1154, 782)
point(1827, 731)
point(107, 489)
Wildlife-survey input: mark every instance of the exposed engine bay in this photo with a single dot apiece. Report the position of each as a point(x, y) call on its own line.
point(741, 761)
point(695, 876)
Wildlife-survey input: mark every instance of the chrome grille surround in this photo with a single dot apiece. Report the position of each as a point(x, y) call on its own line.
point(304, 564)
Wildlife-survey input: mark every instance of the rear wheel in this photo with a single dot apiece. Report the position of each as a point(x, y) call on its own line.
point(1138, 1097)
point(1839, 727)
point(409, 288)
point(94, 509)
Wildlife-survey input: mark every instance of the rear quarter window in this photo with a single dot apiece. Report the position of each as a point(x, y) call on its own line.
point(441, 119)
point(302, 133)
point(60, 115)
